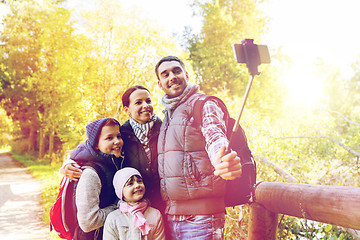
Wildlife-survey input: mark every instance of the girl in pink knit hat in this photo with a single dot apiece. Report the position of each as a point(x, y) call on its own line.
point(134, 219)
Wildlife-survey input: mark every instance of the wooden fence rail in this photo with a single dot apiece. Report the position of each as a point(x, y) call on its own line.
point(328, 204)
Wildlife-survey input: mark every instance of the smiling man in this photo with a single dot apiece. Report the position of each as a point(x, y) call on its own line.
point(192, 160)
point(173, 78)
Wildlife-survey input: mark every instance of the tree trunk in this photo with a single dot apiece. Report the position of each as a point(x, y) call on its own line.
point(32, 140)
point(41, 143)
point(51, 144)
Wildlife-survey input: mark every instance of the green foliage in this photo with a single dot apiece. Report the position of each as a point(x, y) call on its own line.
point(212, 57)
point(298, 143)
point(124, 53)
point(236, 223)
point(5, 129)
point(294, 228)
point(55, 78)
point(39, 69)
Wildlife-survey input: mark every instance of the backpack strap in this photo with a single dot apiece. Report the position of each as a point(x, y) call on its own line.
point(199, 105)
point(244, 152)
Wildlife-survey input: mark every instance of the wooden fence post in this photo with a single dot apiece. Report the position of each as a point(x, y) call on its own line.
point(262, 223)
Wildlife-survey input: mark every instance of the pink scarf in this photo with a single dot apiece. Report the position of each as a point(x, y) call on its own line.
point(139, 219)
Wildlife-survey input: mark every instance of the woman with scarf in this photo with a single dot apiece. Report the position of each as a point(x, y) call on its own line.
point(140, 134)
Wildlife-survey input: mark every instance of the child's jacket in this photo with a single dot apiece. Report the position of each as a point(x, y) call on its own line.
point(120, 225)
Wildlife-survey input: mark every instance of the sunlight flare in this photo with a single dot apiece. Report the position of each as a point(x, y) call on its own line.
point(304, 86)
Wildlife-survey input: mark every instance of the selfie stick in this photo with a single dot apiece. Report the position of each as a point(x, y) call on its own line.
point(253, 55)
point(237, 122)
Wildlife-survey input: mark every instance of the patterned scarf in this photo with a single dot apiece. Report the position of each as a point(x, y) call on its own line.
point(141, 131)
point(139, 219)
point(171, 103)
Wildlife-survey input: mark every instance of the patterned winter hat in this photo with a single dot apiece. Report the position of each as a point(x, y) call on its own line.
point(93, 130)
point(121, 177)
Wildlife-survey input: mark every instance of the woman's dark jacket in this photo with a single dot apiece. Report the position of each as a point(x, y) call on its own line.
point(135, 157)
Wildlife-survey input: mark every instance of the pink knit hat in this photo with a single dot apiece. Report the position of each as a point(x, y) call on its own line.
point(121, 177)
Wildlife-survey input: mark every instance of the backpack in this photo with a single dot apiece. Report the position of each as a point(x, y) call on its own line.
point(63, 214)
point(240, 190)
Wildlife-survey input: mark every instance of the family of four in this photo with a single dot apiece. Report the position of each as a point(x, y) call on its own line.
point(164, 179)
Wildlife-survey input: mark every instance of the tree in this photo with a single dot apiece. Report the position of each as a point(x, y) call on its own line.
point(125, 50)
point(225, 22)
point(39, 70)
point(5, 129)
point(20, 55)
point(55, 78)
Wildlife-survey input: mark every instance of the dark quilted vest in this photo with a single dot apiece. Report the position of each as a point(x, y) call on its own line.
point(186, 173)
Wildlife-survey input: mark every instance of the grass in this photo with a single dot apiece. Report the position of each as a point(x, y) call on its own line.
point(50, 180)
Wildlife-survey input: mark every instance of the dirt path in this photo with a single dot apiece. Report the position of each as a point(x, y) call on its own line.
point(20, 210)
